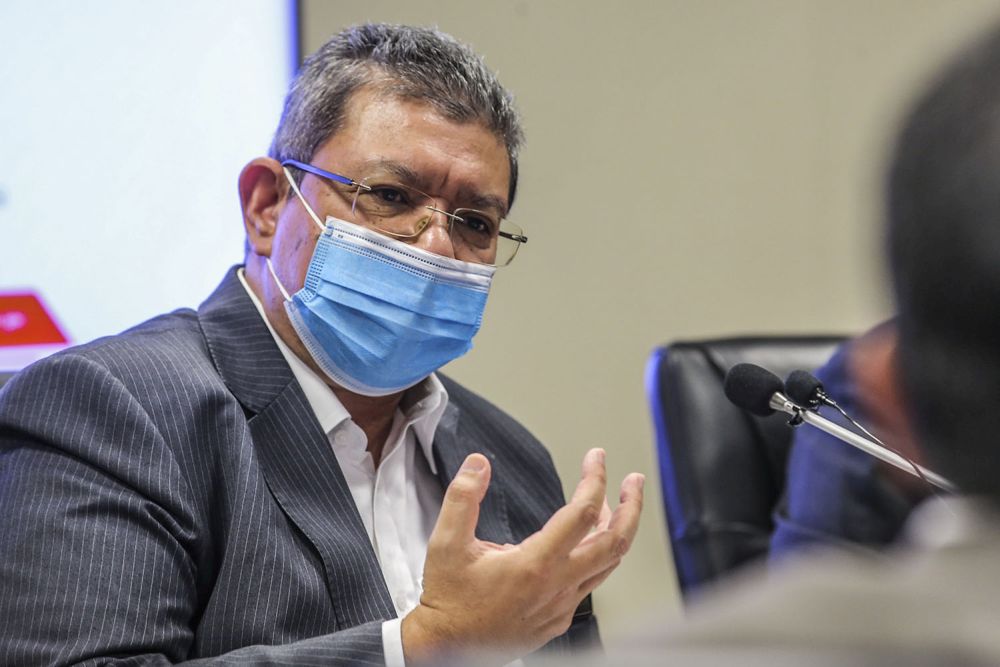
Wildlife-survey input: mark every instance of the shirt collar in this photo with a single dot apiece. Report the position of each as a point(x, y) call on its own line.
point(426, 401)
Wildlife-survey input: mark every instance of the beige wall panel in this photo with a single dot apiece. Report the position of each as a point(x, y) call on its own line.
point(692, 169)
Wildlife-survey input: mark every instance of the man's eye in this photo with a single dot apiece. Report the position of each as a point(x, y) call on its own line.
point(389, 195)
point(478, 224)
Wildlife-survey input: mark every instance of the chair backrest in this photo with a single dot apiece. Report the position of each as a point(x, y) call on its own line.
point(722, 470)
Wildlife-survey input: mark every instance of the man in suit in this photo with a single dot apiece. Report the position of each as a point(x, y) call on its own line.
point(281, 476)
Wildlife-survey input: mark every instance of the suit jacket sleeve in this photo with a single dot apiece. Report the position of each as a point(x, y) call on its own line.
point(98, 547)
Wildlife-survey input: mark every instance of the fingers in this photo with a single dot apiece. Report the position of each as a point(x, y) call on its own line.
point(593, 478)
point(605, 548)
point(625, 518)
point(456, 524)
point(593, 582)
point(572, 522)
point(605, 517)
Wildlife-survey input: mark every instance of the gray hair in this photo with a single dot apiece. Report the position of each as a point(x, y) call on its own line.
point(421, 64)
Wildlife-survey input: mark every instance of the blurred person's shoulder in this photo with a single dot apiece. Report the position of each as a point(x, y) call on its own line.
point(933, 592)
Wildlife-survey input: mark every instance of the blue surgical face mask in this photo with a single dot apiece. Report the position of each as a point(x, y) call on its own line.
point(379, 315)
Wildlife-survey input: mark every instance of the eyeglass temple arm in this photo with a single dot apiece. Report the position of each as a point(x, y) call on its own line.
point(316, 171)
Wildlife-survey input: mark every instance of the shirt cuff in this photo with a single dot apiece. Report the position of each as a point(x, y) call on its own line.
point(392, 643)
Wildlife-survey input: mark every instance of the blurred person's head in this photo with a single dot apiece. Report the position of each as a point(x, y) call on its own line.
point(944, 243)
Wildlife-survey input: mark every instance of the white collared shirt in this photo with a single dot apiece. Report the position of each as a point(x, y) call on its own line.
point(400, 500)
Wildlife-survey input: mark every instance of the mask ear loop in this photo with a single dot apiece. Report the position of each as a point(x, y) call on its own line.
point(312, 214)
point(281, 288)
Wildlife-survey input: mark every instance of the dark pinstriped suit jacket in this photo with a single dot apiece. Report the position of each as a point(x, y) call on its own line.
point(167, 494)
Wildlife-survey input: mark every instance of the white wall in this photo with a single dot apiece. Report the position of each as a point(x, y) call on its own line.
point(123, 128)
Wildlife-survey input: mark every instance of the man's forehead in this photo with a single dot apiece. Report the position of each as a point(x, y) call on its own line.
point(371, 105)
point(373, 138)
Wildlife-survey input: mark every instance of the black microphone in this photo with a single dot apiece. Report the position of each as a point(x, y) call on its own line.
point(760, 392)
point(806, 390)
point(751, 387)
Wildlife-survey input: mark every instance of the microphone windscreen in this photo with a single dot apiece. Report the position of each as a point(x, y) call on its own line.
point(803, 388)
point(751, 387)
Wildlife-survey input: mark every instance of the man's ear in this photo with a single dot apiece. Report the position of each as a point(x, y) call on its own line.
point(263, 190)
point(874, 367)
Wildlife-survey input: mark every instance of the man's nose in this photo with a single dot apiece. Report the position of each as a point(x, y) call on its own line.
point(436, 234)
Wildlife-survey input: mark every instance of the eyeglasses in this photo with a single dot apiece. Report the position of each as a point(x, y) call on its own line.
point(403, 212)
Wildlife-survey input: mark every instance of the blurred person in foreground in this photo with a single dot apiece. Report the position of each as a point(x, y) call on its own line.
point(837, 495)
point(934, 599)
point(281, 476)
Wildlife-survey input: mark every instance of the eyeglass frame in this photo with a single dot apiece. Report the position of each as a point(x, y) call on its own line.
point(344, 180)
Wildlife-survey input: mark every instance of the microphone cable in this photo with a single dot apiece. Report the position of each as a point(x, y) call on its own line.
point(807, 390)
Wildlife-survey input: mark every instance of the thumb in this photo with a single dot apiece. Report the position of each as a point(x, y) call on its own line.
point(456, 524)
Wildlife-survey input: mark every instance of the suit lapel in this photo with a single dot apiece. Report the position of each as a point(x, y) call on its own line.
point(298, 464)
point(302, 473)
point(453, 441)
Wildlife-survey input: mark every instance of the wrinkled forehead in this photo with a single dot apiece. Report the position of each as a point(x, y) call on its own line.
point(412, 142)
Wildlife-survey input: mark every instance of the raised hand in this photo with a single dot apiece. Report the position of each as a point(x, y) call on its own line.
point(507, 600)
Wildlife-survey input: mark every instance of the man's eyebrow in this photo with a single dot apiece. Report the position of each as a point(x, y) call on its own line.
point(399, 170)
point(487, 202)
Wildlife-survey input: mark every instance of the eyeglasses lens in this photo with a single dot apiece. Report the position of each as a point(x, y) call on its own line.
point(403, 212)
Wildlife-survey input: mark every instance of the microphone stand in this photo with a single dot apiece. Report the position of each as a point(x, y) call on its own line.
point(782, 403)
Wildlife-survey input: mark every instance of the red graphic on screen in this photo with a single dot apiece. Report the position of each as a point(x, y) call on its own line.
point(24, 320)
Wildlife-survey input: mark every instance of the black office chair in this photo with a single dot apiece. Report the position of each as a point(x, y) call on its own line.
point(722, 470)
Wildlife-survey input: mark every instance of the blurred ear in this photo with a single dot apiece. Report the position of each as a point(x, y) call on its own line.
point(263, 190)
point(874, 367)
